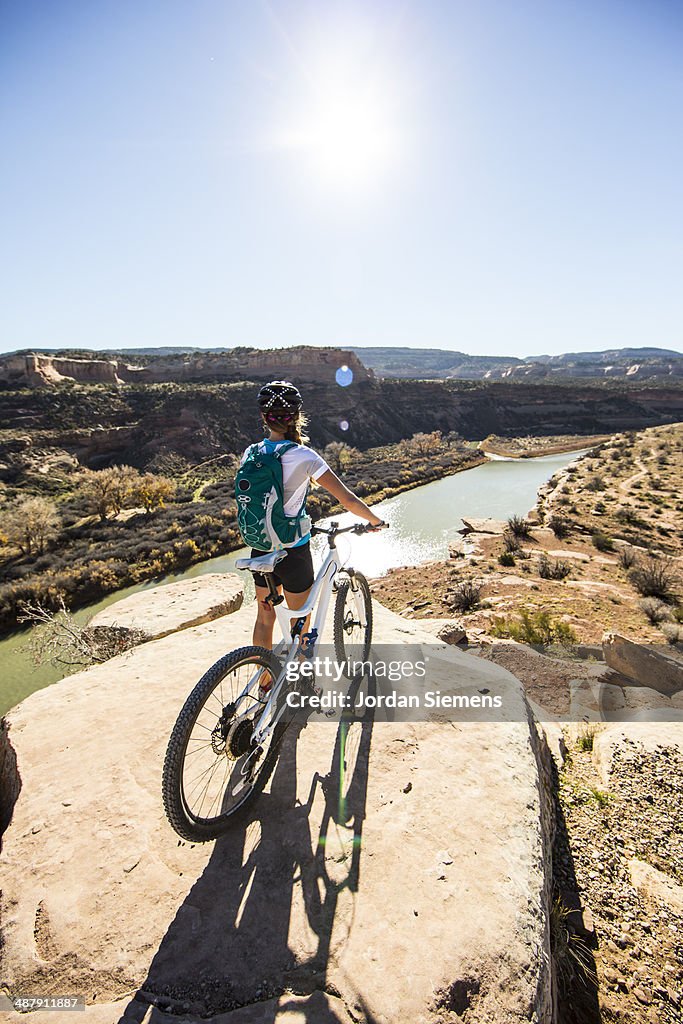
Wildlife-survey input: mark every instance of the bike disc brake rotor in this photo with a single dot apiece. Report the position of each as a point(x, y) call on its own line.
point(238, 739)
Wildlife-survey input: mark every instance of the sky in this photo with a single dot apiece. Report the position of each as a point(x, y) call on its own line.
point(490, 176)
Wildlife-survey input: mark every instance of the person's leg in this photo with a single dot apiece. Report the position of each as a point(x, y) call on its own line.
point(297, 600)
point(265, 619)
point(296, 573)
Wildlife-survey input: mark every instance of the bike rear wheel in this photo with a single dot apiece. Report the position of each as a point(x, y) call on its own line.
point(212, 771)
point(352, 620)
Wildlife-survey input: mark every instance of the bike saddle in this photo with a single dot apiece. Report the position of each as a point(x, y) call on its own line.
point(261, 563)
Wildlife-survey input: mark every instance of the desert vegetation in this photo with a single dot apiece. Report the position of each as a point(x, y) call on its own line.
point(585, 561)
point(71, 534)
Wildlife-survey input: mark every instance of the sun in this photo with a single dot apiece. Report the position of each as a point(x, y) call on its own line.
point(348, 135)
point(340, 117)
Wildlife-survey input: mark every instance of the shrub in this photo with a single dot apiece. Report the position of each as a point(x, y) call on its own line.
point(601, 541)
point(628, 515)
point(655, 577)
point(534, 627)
point(560, 526)
point(673, 632)
point(585, 739)
point(506, 558)
point(519, 527)
point(465, 596)
point(654, 610)
point(627, 558)
point(511, 542)
point(596, 483)
point(552, 569)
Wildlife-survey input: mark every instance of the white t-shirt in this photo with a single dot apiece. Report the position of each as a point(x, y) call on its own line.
point(300, 465)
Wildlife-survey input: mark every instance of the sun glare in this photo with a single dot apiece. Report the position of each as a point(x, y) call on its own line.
point(340, 114)
point(347, 134)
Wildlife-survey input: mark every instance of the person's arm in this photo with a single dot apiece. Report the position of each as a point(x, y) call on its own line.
point(331, 482)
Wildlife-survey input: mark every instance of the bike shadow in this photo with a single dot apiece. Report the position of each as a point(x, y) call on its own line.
point(233, 941)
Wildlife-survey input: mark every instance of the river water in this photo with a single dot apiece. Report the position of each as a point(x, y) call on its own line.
point(422, 523)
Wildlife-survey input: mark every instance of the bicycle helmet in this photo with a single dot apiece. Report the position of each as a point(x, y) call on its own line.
point(280, 396)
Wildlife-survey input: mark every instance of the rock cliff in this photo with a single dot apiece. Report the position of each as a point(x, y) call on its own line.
point(391, 871)
point(305, 364)
point(131, 423)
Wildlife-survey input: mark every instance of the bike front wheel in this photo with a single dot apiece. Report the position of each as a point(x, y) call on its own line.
point(352, 621)
point(212, 770)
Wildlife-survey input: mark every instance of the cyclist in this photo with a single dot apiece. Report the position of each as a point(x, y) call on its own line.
point(283, 419)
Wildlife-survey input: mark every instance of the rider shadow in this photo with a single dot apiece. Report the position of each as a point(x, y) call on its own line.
point(229, 944)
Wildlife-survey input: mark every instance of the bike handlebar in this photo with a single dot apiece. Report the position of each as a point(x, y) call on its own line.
point(335, 529)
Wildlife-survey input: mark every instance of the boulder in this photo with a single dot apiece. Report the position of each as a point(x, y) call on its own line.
point(452, 633)
point(645, 664)
point(372, 878)
point(457, 547)
point(655, 884)
point(162, 610)
point(494, 526)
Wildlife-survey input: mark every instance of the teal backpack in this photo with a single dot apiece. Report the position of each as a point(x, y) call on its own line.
point(259, 493)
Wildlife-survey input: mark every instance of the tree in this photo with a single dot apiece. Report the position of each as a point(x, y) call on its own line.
point(425, 444)
point(109, 490)
point(151, 491)
point(338, 455)
point(30, 523)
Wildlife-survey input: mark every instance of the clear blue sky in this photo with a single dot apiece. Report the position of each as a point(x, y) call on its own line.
point(490, 176)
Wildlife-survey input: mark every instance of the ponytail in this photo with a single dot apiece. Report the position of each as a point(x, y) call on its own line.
point(293, 429)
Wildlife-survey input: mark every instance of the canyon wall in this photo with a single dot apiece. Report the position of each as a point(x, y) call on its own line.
point(132, 424)
point(34, 370)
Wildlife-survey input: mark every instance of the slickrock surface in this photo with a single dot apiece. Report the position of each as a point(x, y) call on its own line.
point(397, 871)
point(165, 610)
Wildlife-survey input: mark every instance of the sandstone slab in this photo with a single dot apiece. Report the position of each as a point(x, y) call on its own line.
point(644, 664)
point(164, 610)
point(656, 885)
point(403, 866)
point(491, 526)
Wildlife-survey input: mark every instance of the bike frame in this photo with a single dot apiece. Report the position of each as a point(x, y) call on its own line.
point(291, 623)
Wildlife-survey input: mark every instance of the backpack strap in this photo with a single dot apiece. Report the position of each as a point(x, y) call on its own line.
point(282, 448)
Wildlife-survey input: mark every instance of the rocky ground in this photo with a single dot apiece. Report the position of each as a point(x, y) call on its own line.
point(629, 946)
point(618, 856)
point(594, 521)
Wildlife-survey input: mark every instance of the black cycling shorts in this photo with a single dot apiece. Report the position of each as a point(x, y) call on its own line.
point(294, 573)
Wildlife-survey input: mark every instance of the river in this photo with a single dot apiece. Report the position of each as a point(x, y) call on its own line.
point(422, 520)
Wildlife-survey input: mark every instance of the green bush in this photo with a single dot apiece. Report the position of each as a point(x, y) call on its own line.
point(506, 558)
point(533, 627)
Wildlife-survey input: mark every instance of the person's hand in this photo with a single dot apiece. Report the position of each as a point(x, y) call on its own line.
point(379, 525)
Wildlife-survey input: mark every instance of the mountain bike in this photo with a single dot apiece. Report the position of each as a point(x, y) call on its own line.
point(227, 737)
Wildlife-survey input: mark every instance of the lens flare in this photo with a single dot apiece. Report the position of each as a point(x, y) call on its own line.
point(343, 424)
point(344, 376)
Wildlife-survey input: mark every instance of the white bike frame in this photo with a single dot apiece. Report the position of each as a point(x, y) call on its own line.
point(291, 642)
